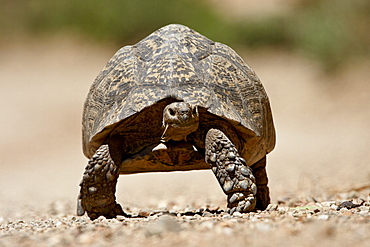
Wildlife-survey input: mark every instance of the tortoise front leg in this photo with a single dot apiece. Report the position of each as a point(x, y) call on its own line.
point(234, 176)
point(98, 187)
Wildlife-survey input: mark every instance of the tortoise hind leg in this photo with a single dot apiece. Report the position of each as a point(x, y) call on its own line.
point(98, 187)
point(263, 192)
point(234, 176)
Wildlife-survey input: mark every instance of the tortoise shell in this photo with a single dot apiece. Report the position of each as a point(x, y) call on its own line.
point(175, 63)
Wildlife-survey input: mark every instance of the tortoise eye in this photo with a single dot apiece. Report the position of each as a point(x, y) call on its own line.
point(172, 112)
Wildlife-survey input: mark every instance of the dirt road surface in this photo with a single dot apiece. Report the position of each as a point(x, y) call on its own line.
point(322, 159)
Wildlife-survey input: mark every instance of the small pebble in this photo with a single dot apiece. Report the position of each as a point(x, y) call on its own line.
point(364, 209)
point(226, 216)
point(323, 217)
point(237, 214)
point(207, 214)
point(163, 224)
point(272, 207)
point(227, 231)
point(209, 225)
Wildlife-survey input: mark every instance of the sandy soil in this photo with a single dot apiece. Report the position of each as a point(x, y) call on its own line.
point(322, 158)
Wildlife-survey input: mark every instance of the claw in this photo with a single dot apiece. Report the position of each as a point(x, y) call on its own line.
point(232, 210)
point(80, 209)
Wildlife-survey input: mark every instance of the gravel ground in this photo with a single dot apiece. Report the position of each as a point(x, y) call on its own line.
point(305, 224)
point(321, 160)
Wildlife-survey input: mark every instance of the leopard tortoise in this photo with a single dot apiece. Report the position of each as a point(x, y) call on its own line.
point(176, 101)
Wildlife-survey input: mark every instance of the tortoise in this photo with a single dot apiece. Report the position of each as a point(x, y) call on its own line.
point(176, 101)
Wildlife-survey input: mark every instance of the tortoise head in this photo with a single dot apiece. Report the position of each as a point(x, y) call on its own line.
point(179, 120)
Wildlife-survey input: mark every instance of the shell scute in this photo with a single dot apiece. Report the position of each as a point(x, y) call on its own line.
point(176, 62)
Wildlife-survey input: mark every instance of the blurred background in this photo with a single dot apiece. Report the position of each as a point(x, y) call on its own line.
point(311, 55)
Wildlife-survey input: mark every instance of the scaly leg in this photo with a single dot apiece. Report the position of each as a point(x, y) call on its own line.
point(234, 176)
point(98, 187)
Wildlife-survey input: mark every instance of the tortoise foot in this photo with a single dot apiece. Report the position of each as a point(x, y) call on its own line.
point(95, 210)
point(98, 187)
point(234, 176)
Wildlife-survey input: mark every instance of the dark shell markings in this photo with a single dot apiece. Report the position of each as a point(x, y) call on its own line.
point(124, 112)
